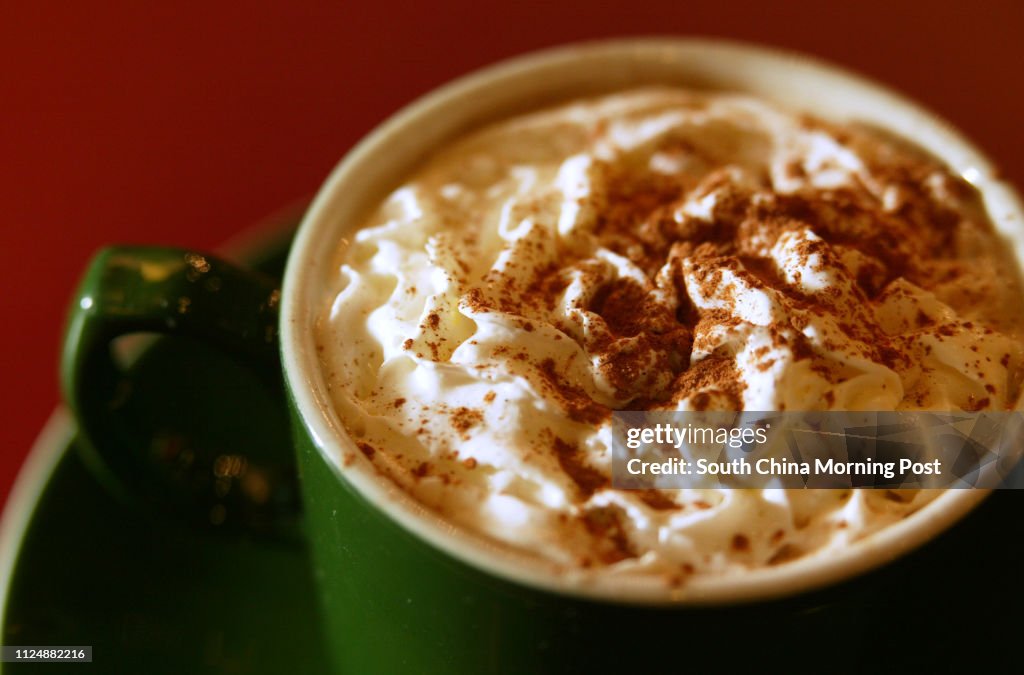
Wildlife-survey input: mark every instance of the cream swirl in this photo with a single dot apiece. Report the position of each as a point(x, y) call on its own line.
point(661, 249)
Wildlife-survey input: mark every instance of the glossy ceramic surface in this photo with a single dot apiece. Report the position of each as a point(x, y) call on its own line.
point(150, 592)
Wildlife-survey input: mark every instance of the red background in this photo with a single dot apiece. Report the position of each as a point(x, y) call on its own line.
point(184, 123)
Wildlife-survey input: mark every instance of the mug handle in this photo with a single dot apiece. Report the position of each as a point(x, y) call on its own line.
point(181, 293)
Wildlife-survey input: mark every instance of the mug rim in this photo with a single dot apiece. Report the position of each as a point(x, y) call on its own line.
point(446, 108)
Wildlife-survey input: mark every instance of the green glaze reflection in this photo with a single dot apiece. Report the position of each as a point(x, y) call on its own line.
point(151, 593)
point(153, 596)
point(171, 456)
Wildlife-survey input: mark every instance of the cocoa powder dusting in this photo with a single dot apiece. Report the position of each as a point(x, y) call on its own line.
point(579, 406)
point(654, 337)
point(610, 538)
point(463, 419)
point(712, 373)
point(570, 458)
point(659, 345)
point(657, 500)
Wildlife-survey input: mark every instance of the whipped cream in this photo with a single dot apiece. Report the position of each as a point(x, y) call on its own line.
point(658, 249)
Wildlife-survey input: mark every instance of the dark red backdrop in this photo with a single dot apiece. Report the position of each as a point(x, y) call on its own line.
point(183, 124)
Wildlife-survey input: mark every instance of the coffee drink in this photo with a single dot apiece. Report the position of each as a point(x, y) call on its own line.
point(658, 249)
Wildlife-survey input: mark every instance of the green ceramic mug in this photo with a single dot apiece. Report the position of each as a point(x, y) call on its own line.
point(402, 590)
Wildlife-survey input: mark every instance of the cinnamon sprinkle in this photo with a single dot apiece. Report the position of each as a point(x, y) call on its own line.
point(587, 479)
point(463, 419)
point(648, 335)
